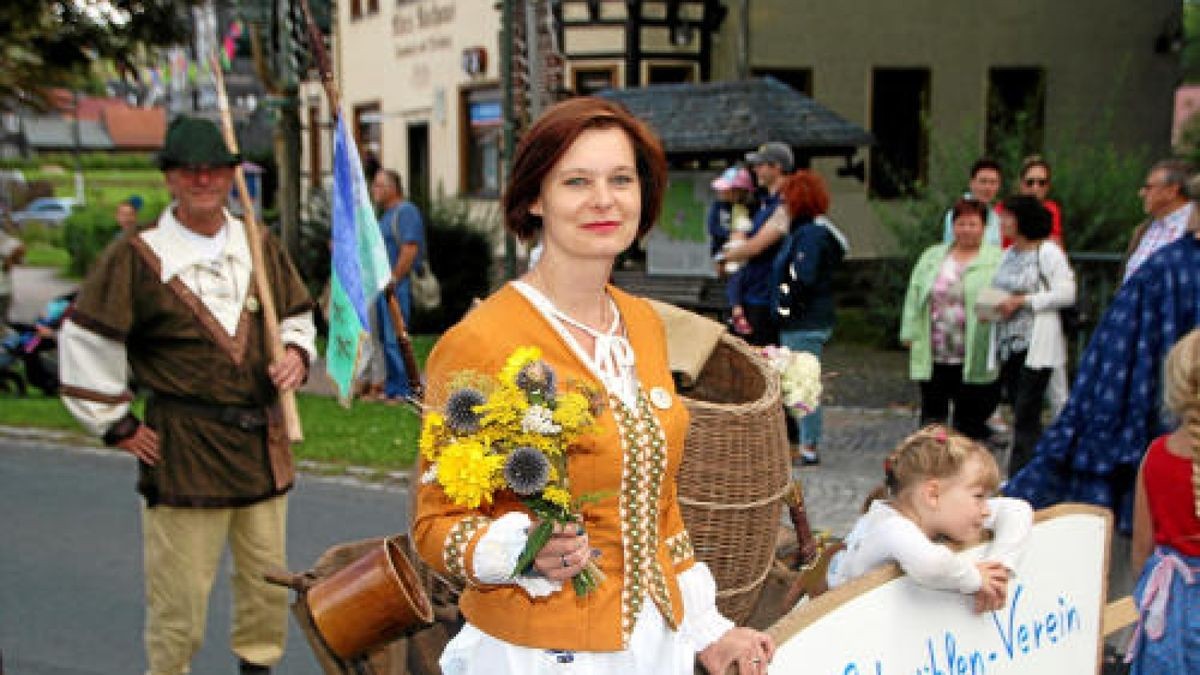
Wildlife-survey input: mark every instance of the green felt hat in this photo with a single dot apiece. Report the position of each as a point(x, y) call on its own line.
point(194, 141)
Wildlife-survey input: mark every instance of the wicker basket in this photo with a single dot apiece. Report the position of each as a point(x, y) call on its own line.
point(735, 472)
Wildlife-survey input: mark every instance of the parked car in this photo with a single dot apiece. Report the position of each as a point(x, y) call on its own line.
point(47, 210)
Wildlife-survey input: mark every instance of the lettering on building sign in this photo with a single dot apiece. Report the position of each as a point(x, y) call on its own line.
point(412, 17)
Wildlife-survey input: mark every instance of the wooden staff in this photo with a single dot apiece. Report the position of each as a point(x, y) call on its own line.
point(325, 70)
point(262, 285)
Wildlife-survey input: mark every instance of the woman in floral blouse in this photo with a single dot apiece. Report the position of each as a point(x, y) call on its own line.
point(948, 344)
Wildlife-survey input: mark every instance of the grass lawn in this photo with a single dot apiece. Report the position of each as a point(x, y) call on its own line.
point(368, 434)
point(42, 254)
point(108, 186)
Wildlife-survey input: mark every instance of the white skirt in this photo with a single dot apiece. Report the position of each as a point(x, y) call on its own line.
point(654, 649)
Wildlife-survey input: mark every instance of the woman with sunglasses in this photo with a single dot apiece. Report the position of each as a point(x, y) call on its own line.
point(1035, 182)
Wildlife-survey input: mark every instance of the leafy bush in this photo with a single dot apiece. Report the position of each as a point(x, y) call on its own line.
point(35, 233)
point(88, 160)
point(90, 229)
point(86, 233)
point(460, 254)
point(1094, 183)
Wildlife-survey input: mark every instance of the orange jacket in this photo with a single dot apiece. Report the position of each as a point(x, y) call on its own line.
point(638, 528)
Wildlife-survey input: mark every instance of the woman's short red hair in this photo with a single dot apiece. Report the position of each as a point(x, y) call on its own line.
point(548, 140)
point(805, 195)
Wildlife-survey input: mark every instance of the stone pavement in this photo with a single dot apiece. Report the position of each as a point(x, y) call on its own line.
point(33, 287)
point(856, 440)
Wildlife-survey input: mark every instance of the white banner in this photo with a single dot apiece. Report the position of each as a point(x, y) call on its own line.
point(885, 624)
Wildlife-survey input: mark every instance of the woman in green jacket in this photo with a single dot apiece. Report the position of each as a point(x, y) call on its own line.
point(948, 343)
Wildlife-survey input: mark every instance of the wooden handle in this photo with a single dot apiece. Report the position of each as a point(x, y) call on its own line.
point(291, 416)
point(406, 350)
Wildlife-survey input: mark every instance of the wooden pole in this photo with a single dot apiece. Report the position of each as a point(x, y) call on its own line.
point(325, 71)
point(274, 343)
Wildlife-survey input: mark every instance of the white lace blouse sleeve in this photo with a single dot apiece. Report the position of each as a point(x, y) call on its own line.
point(1011, 521)
point(497, 552)
point(929, 564)
point(702, 621)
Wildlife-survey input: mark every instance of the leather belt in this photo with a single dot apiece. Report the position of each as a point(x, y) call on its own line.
point(244, 418)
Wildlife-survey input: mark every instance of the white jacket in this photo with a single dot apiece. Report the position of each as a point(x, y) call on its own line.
point(1047, 344)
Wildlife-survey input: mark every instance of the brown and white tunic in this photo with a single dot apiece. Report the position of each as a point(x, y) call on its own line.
point(179, 313)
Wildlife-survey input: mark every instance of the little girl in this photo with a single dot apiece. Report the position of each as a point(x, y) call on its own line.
point(1166, 528)
point(936, 489)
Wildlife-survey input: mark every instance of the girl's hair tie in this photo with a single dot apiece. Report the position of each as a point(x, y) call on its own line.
point(889, 474)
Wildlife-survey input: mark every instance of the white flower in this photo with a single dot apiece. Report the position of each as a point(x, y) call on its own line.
point(539, 420)
point(430, 474)
point(800, 377)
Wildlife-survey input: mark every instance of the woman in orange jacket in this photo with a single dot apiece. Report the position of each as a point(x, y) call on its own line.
point(587, 179)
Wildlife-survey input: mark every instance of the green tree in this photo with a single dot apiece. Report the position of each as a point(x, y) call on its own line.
point(55, 42)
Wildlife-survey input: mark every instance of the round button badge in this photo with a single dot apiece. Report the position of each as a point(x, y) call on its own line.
point(660, 398)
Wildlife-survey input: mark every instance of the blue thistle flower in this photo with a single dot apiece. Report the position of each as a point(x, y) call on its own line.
point(538, 379)
point(461, 415)
point(526, 471)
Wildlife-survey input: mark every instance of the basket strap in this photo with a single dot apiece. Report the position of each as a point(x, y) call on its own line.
point(747, 588)
point(721, 506)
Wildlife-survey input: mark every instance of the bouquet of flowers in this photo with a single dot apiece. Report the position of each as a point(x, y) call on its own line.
point(800, 375)
point(512, 432)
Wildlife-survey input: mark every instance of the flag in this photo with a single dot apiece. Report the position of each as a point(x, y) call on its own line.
point(360, 265)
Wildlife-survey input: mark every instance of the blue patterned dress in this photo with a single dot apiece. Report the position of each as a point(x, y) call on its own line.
point(1091, 452)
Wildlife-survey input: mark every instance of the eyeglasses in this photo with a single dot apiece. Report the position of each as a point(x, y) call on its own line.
point(1031, 182)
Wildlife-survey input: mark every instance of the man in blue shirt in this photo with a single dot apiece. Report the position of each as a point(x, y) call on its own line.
point(404, 235)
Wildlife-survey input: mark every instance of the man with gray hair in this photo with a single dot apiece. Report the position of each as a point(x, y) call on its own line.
point(1165, 201)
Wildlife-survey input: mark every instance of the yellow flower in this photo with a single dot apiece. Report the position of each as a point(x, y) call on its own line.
point(505, 408)
point(521, 357)
point(573, 412)
point(468, 474)
point(557, 496)
point(432, 434)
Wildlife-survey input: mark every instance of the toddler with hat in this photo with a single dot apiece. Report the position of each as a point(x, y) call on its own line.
point(734, 187)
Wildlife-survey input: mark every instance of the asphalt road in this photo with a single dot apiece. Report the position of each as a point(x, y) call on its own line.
point(71, 594)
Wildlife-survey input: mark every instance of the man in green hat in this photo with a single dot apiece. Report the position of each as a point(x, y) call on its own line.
point(175, 306)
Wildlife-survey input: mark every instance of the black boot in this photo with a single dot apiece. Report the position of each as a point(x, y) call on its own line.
point(247, 668)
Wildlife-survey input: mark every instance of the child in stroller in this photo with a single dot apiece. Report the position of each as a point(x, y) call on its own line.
point(34, 347)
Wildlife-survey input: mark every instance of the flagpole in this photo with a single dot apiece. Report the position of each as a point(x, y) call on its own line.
point(291, 416)
point(325, 71)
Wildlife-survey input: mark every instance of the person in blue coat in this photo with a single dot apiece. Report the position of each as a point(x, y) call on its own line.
point(1092, 451)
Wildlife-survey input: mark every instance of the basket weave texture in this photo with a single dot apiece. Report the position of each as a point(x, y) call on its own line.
point(735, 471)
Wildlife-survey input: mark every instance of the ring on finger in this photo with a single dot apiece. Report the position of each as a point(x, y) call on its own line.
point(564, 560)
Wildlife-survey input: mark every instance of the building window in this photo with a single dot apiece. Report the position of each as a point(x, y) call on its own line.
point(670, 73)
point(800, 79)
point(356, 8)
point(1016, 110)
point(589, 80)
point(483, 125)
point(899, 108)
point(368, 131)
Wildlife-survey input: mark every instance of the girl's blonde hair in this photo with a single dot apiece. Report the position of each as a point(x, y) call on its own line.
point(1181, 393)
point(932, 452)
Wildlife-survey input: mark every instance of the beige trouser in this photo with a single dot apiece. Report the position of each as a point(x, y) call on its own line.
point(182, 548)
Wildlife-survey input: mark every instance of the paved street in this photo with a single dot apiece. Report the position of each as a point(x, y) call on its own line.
point(70, 559)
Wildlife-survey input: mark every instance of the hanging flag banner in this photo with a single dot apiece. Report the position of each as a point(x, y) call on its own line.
point(360, 265)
